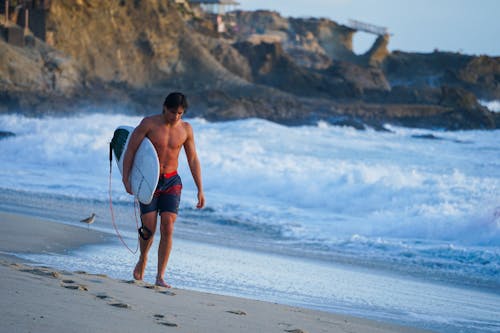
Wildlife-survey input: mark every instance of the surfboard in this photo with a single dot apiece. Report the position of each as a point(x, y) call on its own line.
point(146, 167)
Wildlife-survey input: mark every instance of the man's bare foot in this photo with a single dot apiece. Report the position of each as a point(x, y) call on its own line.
point(139, 270)
point(160, 282)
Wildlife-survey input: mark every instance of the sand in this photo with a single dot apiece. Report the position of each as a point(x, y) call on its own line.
point(34, 298)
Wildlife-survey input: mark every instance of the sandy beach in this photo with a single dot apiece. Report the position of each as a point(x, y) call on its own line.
point(43, 299)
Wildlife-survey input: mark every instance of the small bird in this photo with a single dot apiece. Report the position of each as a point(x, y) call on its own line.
point(89, 220)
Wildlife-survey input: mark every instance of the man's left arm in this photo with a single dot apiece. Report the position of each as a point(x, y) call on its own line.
point(194, 164)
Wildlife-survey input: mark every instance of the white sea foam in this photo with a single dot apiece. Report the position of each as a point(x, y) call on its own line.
point(356, 182)
point(416, 201)
point(313, 186)
point(493, 106)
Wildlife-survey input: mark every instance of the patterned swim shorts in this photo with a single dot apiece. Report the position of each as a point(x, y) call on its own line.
point(167, 196)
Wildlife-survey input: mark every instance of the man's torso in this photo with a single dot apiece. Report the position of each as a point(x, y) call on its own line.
point(168, 140)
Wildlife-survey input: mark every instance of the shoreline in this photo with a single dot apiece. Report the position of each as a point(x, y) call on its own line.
point(33, 296)
point(188, 232)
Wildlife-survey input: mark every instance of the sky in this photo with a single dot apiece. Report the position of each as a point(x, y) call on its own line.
point(466, 26)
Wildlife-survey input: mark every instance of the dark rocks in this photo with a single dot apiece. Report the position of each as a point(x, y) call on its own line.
point(479, 75)
point(124, 55)
point(6, 134)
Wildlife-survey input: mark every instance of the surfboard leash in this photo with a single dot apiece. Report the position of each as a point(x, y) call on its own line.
point(111, 205)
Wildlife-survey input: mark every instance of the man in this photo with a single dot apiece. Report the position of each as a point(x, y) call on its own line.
point(168, 133)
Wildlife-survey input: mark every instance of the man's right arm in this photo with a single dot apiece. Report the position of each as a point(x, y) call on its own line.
point(136, 138)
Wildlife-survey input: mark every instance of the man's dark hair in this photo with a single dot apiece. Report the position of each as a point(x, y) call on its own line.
point(174, 100)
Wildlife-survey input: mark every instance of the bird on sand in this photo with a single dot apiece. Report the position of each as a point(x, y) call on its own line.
point(89, 220)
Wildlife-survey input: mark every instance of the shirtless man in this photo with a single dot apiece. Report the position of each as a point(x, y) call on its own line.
point(168, 133)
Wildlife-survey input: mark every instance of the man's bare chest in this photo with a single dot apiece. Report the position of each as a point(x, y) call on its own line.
point(168, 139)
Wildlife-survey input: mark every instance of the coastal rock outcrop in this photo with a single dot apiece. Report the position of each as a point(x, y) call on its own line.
point(477, 74)
point(35, 71)
point(126, 55)
point(6, 134)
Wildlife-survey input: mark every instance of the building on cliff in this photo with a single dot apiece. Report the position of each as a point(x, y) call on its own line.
point(27, 14)
point(219, 8)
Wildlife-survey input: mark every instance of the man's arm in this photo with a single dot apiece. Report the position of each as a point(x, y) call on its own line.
point(136, 138)
point(194, 164)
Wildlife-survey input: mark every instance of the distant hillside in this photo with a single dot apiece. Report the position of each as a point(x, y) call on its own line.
point(126, 55)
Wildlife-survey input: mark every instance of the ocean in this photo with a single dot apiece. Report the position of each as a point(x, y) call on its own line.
point(400, 225)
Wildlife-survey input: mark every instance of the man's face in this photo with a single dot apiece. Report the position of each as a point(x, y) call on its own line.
point(173, 115)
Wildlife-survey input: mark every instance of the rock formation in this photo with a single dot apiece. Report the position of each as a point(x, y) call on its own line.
point(126, 55)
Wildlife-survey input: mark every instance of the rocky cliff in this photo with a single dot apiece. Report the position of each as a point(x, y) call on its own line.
point(126, 55)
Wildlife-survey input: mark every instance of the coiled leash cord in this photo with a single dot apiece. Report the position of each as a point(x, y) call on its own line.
point(111, 206)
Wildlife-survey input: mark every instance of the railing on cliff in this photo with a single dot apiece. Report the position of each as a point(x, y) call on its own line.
point(367, 27)
point(215, 6)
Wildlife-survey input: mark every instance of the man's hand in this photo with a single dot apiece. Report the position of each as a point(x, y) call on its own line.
point(201, 200)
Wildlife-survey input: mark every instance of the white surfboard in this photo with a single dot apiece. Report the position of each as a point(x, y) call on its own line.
point(146, 167)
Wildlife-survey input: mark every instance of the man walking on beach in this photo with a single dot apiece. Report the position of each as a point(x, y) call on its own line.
point(168, 133)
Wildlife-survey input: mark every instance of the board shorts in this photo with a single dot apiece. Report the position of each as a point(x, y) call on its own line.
point(167, 196)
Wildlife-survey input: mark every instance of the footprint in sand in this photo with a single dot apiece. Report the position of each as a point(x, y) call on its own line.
point(237, 312)
point(102, 296)
point(167, 323)
point(129, 281)
point(42, 272)
point(164, 322)
point(287, 325)
point(120, 305)
point(112, 301)
point(75, 287)
point(151, 286)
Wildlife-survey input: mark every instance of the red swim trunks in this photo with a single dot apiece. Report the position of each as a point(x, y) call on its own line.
point(167, 196)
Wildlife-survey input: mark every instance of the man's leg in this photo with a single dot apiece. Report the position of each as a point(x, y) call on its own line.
point(149, 221)
point(166, 232)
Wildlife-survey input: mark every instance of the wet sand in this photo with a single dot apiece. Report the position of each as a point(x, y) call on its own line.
point(37, 298)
